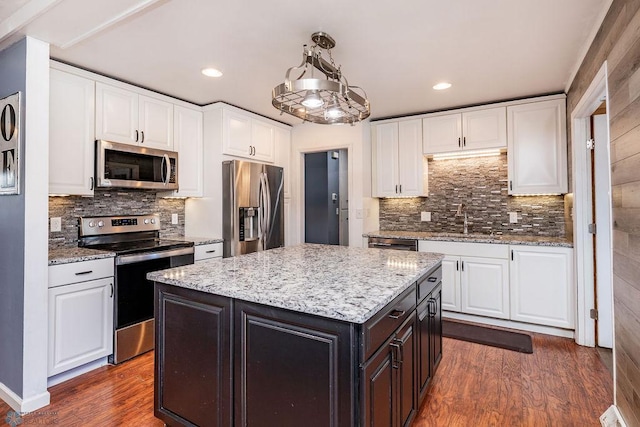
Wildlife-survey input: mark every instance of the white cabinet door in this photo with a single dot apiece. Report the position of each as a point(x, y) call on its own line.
point(188, 142)
point(442, 134)
point(80, 324)
point(411, 173)
point(451, 283)
point(155, 123)
point(71, 134)
point(262, 135)
point(116, 114)
point(537, 147)
point(485, 286)
point(542, 288)
point(282, 140)
point(386, 162)
point(484, 129)
point(236, 134)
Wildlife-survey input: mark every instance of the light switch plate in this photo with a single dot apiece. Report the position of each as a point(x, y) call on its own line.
point(425, 216)
point(174, 218)
point(56, 224)
point(513, 217)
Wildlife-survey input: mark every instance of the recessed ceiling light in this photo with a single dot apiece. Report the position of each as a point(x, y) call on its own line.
point(211, 72)
point(442, 86)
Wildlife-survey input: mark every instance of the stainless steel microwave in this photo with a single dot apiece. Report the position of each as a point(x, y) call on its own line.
point(132, 166)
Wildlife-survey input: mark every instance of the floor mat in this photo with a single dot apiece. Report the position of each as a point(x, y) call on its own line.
point(494, 337)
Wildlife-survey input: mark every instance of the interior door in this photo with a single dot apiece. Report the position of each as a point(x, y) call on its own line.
point(601, 199)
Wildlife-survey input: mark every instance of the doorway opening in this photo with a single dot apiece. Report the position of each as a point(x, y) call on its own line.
point(326, 198)
point(592, 215)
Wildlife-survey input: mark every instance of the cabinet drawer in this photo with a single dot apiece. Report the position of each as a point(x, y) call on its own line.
point(428, 282)
point(83, 271)
point(378, 329)
point(202, 252)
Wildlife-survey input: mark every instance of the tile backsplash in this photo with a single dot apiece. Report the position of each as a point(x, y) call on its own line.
point(481, 184)
point(112, 202)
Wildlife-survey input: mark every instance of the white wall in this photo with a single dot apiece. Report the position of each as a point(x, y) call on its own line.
point(363, 210)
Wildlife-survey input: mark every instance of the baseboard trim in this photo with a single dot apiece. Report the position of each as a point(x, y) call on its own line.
point(72, 373)
point(548, 330)
point(23, 405)
point(612, 418)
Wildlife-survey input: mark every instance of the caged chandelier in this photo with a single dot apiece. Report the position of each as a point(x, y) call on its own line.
point(326, 100)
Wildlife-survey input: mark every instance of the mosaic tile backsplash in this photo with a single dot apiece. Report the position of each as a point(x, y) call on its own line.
point(481, 184)
point(112, 202)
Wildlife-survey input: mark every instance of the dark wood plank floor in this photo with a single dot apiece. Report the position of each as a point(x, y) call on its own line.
point(560, 384)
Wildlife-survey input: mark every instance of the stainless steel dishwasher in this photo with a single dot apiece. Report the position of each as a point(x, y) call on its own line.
point(398, 244)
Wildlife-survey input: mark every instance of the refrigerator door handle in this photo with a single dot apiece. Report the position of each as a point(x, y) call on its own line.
point(267, 228)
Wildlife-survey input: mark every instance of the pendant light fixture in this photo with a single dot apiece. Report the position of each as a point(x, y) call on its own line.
point(328, 99)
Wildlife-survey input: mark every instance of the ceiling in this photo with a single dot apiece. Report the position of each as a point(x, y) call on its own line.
point(489, 50)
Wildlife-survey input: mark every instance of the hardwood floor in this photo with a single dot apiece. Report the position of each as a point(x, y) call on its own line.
point(560, 384)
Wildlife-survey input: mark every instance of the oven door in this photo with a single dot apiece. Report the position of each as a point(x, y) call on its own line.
point(123, 165)
point(134, 299)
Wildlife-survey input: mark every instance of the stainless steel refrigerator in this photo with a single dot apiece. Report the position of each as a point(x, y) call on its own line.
point(252, 207)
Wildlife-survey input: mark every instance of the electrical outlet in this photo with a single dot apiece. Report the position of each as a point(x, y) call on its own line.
point(56, 224)
point(513, 217)
point(174, 218)
point(425, 216)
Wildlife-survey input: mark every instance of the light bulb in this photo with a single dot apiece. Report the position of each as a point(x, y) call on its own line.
point(312, 100)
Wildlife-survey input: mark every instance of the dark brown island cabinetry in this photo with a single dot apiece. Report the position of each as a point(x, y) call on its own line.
point(226, 362)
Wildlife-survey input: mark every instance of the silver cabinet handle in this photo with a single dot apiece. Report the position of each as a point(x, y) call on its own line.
point(82, 273)
point(396, 314)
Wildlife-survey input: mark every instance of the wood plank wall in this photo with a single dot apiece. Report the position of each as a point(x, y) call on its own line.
point(618, 42)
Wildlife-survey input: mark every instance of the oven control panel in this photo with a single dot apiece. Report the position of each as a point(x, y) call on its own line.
point(96, 226)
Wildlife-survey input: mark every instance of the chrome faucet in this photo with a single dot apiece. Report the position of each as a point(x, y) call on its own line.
point(462, 208)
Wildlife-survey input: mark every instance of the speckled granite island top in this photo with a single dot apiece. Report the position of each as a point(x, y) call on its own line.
point(342, 283)
point(507, 239)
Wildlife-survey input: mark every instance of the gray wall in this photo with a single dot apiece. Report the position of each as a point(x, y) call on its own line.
point(113, 202)
point(12, 236)
point(320, 180)
point(481, 184)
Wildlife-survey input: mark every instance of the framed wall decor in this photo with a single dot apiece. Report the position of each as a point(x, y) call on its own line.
point(10, 145)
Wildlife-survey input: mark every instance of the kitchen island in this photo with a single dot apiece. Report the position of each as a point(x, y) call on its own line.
point(309, 335)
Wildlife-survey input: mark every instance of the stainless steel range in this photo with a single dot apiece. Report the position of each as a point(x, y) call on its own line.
point(139, 249)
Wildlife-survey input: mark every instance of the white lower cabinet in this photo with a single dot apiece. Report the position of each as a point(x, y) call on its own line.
point(484, 284)
point(211, 250)
point(542, 289)
point(80, 324)
point(80, 314)
point(524, 283)
point(451, 283)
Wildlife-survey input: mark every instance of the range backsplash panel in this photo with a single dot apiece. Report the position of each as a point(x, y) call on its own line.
point(481, 184)
point(112, 202)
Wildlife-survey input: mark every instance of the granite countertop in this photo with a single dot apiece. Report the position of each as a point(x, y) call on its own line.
point(198, 241)
point(65, 255)
point(509, 239)
point(343, 283)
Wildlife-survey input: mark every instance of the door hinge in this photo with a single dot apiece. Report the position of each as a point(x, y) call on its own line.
point(591, 143)
point(591, 228)
point(593, 313)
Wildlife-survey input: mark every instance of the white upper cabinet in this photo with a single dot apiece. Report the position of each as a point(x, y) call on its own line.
point(71, 134)
point(246, 136)
point(470, 130)
point(188, 142)
point(537, 152)
point(399, 169)
point(130, 118)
